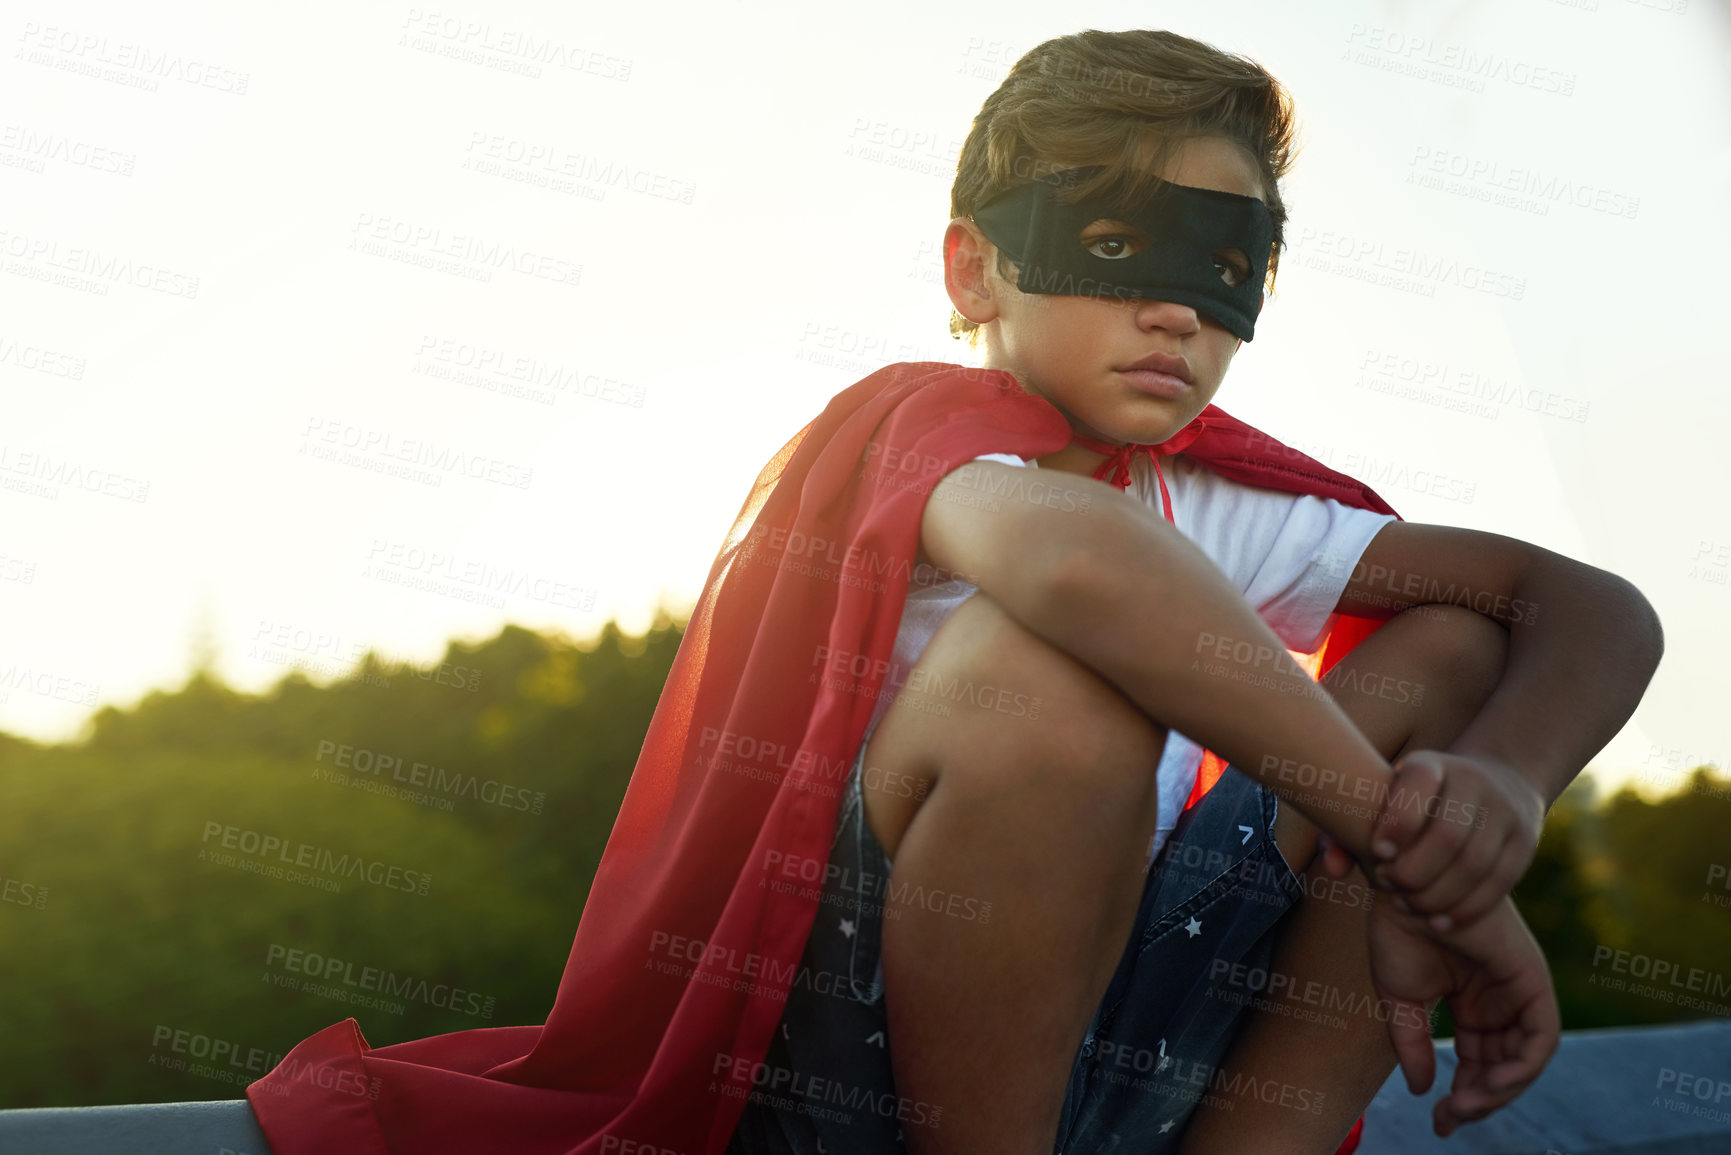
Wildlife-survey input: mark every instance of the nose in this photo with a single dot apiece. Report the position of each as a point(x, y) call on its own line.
point(1180, 320)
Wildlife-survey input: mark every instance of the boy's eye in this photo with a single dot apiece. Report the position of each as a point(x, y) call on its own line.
point(1113, 240)
point(1112, 247)
point(1234, 266)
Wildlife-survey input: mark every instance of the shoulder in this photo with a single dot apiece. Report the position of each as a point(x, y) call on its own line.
point(1235, 517)
point(1207, 486)
point(1206, 489)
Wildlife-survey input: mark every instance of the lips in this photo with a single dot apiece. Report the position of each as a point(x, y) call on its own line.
point(1163, 363)
point(1159, 375)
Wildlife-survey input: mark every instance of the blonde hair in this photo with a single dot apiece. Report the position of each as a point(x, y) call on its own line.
point(1123, 101)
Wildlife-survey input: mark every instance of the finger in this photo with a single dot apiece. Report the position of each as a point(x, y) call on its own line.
point(1442, 1119)
point(1333, 859)
point(1532, 1044)
point(1512, 1077)
point(1409, 1031)
point(1452, 1110)
point(1472, 1095)
point(1507, 1060)
point(1471, 1104)
point(1434, 854)
point(1474, 906)
point(1468, 1106)
point(1470, 1098)
point(1411, 799)
point(1468, 868)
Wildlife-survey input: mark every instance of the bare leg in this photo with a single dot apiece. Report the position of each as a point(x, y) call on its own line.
point(1457, 656)
point(1049, 819)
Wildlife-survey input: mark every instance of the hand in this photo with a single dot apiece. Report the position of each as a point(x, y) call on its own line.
point(1498, 989)
point(1455, 835)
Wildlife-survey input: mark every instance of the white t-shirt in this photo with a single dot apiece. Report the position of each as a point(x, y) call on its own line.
point(1289, 554)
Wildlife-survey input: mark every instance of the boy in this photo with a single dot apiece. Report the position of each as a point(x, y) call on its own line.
point(1024, 975)
point(994, 797)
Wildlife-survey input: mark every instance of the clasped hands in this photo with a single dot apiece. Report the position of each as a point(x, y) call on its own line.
point(1455, 835)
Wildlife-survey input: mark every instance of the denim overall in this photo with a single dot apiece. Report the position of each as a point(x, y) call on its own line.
point(1213, 898)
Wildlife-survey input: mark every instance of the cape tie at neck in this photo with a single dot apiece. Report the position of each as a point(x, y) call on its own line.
point(1115, 470)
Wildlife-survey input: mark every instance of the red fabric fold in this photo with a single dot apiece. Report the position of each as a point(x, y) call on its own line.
point(692, 933)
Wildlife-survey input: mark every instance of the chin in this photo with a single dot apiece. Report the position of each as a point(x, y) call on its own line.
point(1152, 431)
point(1142, 433)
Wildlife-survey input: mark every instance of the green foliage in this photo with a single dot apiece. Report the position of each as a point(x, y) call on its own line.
point(1647, 879)
point(132, 938)
point(126, 918)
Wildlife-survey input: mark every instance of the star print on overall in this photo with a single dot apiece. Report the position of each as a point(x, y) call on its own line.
point(847, 927)
point(1166, 1061)
point(1193, 927)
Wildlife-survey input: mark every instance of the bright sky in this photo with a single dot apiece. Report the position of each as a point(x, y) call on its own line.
point(252, 296)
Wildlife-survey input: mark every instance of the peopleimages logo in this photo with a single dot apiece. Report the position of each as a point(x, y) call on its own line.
point(361, 761)
point(1663, 980)
point(23, 893)
point(817, 1096)
point(258, 849)
point(329, 971)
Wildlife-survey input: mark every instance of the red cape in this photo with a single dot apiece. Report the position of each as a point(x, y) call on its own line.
point(685, 953)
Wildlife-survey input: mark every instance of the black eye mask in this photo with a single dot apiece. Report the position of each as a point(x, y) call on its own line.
point(1185, 226)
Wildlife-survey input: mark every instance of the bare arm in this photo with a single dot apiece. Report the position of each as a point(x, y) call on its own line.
point(1583, 643)
point(1104, 578)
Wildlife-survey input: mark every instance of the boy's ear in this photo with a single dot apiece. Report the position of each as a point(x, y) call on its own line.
point(966, 251)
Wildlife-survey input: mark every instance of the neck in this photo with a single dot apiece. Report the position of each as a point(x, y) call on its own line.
point(1073, 459)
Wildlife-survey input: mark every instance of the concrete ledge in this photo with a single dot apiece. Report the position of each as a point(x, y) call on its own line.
point(1625, 1091)
point(223, 1127)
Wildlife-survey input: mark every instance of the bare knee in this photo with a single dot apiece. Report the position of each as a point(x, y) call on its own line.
point(1459, 652)
point(993, 708)
point(1421, 677)
point(1044, 711)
